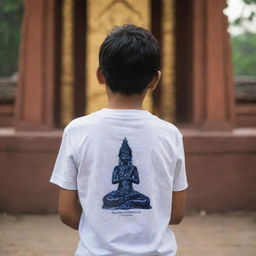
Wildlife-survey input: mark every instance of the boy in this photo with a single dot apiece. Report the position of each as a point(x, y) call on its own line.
point(121, 169)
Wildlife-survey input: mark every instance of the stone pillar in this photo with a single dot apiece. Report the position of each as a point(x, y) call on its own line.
point(38, 87)
point(79, 56)
point(162, 26)
point(205, 91)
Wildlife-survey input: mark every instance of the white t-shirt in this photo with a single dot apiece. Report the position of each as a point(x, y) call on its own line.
point(125, 164)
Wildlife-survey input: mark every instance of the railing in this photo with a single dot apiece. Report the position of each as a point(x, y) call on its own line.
point(7, 89)
point(245, 89)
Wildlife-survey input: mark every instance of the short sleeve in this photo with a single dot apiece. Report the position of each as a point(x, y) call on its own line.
point(180, 178)
point(65, 171)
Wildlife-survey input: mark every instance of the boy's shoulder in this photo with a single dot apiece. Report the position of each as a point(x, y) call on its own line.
point(79, 122)
point(166, 125)
point(89, 121)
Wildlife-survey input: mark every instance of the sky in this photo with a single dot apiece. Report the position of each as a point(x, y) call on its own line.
point(234, 10)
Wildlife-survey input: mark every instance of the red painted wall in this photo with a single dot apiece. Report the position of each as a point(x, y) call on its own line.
point(221, 170)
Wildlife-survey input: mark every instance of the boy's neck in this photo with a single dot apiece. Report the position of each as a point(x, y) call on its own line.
point(119, 101)
point(122, 105)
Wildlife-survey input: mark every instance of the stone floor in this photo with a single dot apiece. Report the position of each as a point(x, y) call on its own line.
point(232, 234)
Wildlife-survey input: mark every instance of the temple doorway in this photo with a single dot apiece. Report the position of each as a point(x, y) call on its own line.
point(84, 26)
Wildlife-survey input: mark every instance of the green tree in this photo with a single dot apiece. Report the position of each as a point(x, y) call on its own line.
point(244, 44)
point(244, 54)
point(10, 25)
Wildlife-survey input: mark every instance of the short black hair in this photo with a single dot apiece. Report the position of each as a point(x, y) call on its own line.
point(129, 58)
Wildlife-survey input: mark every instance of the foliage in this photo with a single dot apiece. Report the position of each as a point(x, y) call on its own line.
point(244, 52)
point(10, 25)
point(249, 1)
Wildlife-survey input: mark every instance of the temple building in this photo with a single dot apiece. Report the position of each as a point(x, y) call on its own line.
point(57, 83)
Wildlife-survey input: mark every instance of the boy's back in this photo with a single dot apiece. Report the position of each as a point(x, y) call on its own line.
point(125, 164)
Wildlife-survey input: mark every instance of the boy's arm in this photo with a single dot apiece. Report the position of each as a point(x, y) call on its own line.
point(180, 185)
point(178, 207)
point(69, 208)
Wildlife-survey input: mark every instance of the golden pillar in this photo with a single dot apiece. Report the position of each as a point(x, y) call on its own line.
point(67, 79)
point(167, 81)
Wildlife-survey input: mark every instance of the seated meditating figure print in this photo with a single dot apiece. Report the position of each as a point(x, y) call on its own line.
point(125, 197)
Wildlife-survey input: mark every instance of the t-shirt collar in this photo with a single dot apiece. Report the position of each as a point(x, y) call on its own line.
point(123, 112)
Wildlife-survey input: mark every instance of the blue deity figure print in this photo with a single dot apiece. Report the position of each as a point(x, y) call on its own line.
point(124, 174)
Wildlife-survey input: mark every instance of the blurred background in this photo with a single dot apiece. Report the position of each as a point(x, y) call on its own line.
point(48, 59)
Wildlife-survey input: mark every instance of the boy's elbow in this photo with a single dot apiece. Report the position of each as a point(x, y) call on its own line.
point(178, 207)
point(68, 220)
point(176, 220)
point(69, 208)
point(64, 217)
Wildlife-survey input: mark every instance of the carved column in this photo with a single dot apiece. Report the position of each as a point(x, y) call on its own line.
point(204, 70)
point(38, 88)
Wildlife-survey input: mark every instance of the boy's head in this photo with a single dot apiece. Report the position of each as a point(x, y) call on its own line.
point(129, 59)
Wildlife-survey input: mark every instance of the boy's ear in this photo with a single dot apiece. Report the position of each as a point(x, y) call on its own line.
point(100, 77)
point(155, 80)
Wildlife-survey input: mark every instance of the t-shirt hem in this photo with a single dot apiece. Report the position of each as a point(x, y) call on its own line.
point(180, 188)
point(62, 183)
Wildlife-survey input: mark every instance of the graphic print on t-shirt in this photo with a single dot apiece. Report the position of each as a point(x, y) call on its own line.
point(125, 197)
